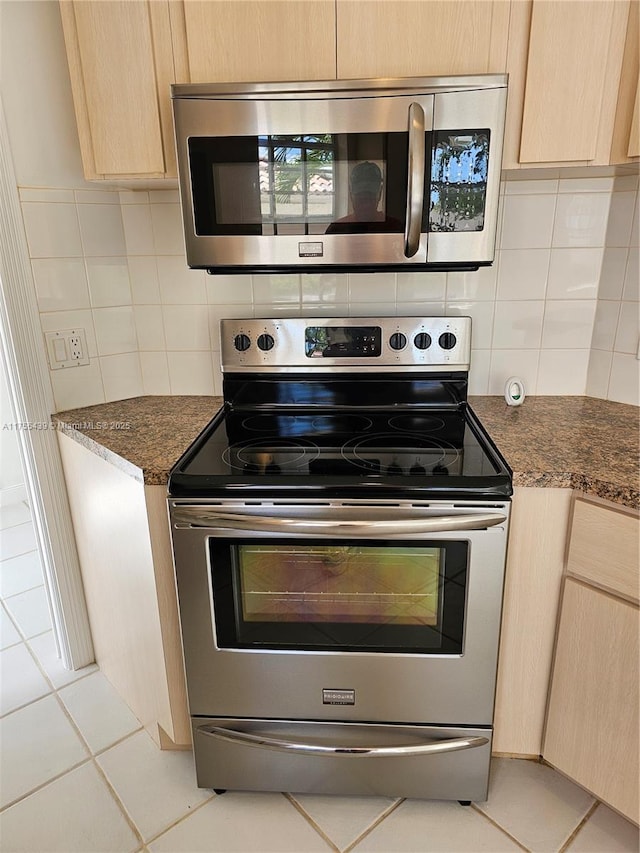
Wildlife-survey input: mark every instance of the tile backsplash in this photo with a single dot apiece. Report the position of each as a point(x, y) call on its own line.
point(559, 307)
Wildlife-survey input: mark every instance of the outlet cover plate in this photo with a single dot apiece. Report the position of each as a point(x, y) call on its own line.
point(67, 348)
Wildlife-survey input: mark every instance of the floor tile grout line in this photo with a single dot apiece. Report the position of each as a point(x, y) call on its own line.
point(304, 814)
point(120, 805)
point(55, 688)
point(45, 675)
point(581, 824)
point(374, 825)
point(91, 758)
point(42, 785)
point(16, 625)
point(100, 752)
point(26, 704)
point(12, 620)
point(4, 559)
point(506, 832)
point(92, 754)
point(13, 623)
point(11, 526)
point(28, 521)
point(179, 820)
point(76, 727)
point(22, 591)
point(98, 768)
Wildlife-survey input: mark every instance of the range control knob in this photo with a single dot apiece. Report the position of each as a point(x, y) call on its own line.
point(447, 340)
point(242, 342)
point(397, 341)
point(265, 342)
point(422, 340)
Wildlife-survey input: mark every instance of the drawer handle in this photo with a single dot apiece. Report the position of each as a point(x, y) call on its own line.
point(430, 748)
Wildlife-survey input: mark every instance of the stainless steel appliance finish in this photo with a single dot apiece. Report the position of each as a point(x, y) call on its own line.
point(436, 142)
point(375, 760)
point(260, 346)
point(340, 631)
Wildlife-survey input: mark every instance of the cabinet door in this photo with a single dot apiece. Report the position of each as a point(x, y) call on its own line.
point(569, 46)
point(404, 38)
point(533, 577)
point(257, 41)
point(592, 722)
point(604, 547)
point(110, 47)
point(626, 137)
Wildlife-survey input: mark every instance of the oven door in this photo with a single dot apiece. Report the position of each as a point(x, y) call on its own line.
point(341, 612)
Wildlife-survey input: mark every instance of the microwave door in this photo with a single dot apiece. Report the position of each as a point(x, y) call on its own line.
point(462, 213)
point(293, 183)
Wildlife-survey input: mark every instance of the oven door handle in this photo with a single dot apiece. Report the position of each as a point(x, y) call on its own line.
point(415, 181)
point(431, 748)
point(373, 528)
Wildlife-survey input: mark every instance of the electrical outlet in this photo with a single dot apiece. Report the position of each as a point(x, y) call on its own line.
point(76, 350)
point(67, 348)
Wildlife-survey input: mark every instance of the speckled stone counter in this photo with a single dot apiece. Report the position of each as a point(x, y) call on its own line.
point(564, 442)
point(571, 442)
point(143, 436)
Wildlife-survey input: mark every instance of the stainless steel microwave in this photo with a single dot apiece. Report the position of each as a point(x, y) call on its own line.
point(341, 175)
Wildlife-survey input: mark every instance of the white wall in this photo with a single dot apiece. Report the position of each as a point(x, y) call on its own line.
point(113, 264)
point(36, 92)
point(613, 367)
point(11, 475)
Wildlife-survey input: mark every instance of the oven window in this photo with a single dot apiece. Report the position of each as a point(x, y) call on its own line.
point(369, 596)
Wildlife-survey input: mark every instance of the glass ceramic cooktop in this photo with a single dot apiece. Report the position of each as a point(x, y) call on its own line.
point(341, 444)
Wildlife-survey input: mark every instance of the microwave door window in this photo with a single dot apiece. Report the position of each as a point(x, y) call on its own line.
point(307, 184)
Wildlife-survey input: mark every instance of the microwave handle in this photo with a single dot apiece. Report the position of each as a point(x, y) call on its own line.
point(415, 181)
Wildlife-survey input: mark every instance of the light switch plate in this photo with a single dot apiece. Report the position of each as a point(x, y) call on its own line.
point(67, 348)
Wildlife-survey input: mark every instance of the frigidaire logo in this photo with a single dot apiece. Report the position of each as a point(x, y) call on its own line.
point(338, 697)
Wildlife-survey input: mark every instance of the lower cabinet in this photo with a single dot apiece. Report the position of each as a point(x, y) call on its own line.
point(592, 722)
point(122, 533)
point(533, 579)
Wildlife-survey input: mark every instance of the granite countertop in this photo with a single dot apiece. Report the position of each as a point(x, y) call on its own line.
point(564, 442)
point(568, 442)
point(143, 436)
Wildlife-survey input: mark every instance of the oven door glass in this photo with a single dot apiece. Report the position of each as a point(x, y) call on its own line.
point(345, 595)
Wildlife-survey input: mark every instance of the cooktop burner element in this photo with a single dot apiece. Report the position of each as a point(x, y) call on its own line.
point(301, 420)
point(271, 456)
point(416, 423)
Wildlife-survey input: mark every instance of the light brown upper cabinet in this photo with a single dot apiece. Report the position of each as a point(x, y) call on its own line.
point(259, 40)
point(404, 37)
point(573, 76)
point(573, 67)
point(121, 66)
point(626, 133)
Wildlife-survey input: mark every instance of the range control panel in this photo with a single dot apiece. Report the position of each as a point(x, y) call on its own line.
point(346, 344)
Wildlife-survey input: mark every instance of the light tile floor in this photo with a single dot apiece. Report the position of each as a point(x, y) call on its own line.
point(78, 773)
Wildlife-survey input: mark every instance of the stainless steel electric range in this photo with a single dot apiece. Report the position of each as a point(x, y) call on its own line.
point(339, 534)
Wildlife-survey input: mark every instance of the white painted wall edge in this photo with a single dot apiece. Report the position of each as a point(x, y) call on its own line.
point(30, 389)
